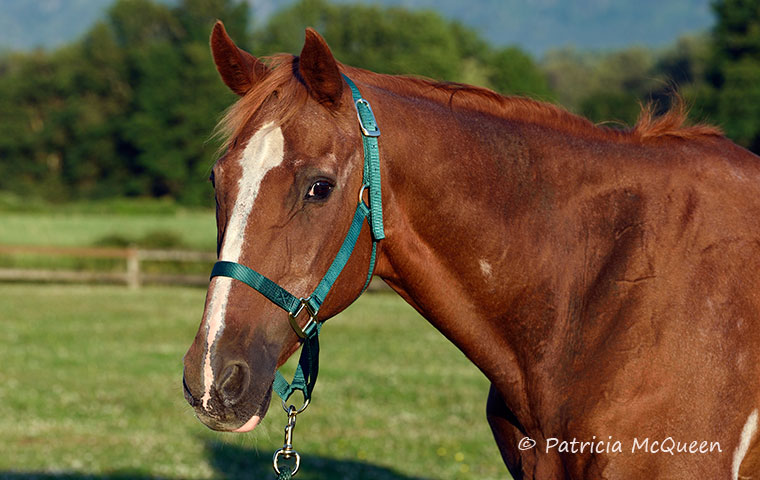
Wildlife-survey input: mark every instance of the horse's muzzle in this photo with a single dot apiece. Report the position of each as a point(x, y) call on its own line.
point(229, 404)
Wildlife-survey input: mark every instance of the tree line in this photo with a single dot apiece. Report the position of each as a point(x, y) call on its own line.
point(128, 109)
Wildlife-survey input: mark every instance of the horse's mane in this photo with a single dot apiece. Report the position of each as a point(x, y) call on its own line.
point(672, 123)
point(283, 81)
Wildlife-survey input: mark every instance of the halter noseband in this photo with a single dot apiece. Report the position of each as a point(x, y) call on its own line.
point(308, 364)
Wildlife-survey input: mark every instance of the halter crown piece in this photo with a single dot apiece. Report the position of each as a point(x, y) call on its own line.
point(308, 364)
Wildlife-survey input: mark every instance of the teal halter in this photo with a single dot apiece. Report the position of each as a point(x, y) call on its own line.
point(308, 364)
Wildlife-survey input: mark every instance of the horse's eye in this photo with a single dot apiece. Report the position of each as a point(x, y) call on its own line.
point(320, 190)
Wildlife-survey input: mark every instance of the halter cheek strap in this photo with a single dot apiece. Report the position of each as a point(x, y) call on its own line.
point(308, 364)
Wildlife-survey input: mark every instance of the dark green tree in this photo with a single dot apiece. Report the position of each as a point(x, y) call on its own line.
point(59, 133)
point(735, 72)
point(612, 86)
point(128, 110)
point(400, 41)
point(26, 159)
point(177, 93)
point(513, 71)
point(130, 107)
point(737, 31)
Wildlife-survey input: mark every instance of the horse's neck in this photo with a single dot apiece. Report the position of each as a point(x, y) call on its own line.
point(456, 183)
point(472, 203)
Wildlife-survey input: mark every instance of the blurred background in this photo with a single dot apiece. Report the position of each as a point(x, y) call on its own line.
point(104, 99)
point(107, 234)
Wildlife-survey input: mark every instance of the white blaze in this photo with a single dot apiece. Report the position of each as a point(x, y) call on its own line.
point(749, 430)
point(264, 151)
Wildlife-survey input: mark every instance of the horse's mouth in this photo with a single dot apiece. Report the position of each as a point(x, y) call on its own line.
point(249, 425)
point(239, 418)
point(222, 426)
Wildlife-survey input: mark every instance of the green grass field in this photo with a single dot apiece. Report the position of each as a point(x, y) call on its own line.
point(90, 387)
point(195, 228)
point(116, 224)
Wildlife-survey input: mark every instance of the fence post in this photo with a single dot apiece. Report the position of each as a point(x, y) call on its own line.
point(133, 268)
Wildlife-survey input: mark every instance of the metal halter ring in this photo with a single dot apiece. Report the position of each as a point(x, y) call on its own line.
point(361, 193)
point(288, 408)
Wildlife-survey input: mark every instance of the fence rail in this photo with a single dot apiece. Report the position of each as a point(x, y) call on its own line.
point(133, 274)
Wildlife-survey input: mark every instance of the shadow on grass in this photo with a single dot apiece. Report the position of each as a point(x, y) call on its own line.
point(123, 475)
point(238, 463)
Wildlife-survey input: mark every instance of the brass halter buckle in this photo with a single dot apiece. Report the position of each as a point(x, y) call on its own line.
point(310, 324)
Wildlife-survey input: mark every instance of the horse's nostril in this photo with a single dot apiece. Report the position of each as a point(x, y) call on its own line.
point(233, 382)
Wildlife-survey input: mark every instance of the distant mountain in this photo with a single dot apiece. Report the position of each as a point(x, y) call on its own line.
point(534, 25)
point(539, 25)
point(27, 24)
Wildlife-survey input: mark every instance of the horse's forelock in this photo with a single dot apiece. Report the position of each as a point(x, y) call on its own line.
point(280, 81)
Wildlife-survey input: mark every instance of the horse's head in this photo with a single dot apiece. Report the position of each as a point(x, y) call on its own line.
point(285, 192)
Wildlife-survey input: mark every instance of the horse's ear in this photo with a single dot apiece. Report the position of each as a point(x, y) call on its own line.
point(239, 69)
point(320, 70)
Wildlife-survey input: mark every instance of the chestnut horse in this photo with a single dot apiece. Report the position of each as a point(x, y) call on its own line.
point(606, 282)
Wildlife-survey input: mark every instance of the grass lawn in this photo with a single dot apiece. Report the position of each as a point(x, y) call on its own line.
point(195, 228)
point(145, 224)
point(90, 387)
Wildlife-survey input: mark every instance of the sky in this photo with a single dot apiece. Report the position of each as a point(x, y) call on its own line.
point(534, 25)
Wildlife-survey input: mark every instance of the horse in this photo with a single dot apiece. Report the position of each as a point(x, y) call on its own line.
point(605, 281)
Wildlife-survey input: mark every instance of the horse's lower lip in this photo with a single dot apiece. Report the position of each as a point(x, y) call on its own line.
point(249, 425)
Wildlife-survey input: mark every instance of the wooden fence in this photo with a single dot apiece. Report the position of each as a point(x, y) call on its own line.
point(132, 275)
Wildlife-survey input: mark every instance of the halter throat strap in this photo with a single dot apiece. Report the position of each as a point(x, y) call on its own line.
point(308, 364)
